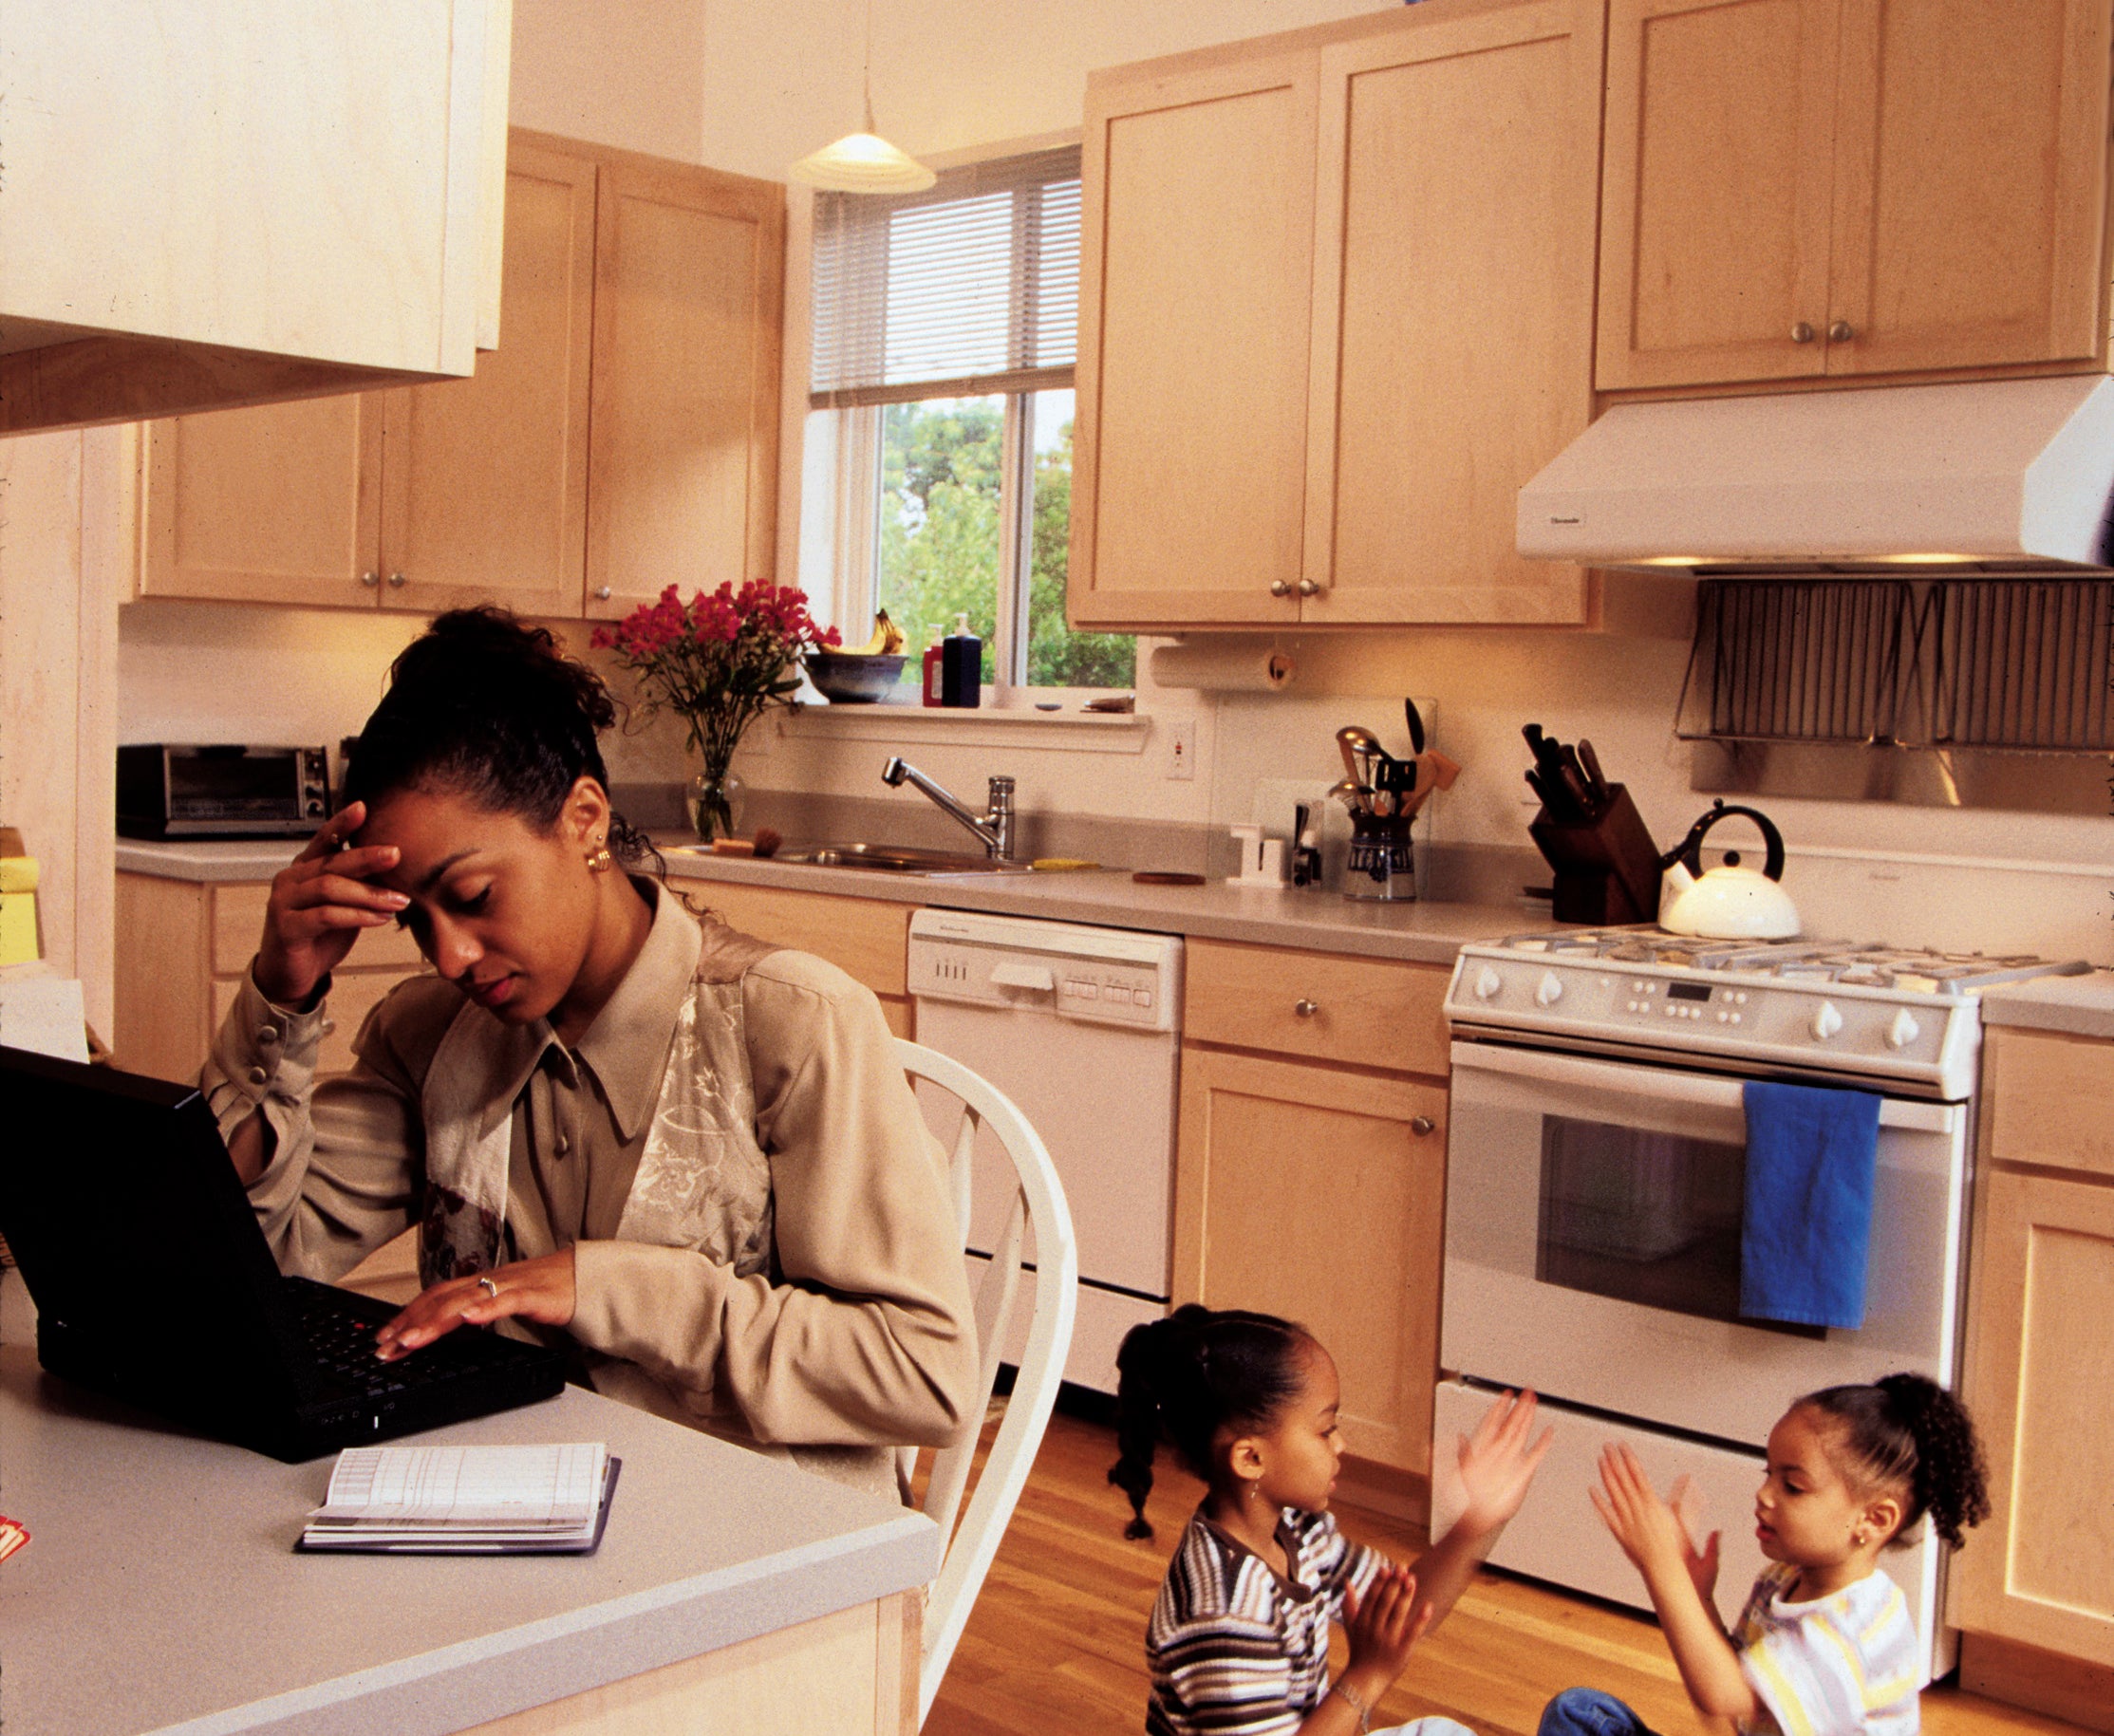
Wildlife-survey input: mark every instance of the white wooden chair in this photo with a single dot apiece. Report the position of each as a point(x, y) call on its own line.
point(1038, 1202)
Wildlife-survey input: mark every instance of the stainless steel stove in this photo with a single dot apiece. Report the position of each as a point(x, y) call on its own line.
point(1595, 1156)
point(1819, 1009)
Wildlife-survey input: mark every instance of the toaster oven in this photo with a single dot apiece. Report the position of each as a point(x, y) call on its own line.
point(221, 790)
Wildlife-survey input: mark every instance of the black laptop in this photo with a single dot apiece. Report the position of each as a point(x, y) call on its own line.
point(154, 1283)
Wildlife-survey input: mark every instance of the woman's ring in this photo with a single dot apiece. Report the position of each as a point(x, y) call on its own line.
point(490, 1288)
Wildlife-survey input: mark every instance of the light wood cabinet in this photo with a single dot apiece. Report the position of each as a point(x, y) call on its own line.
point(868, 939)
point(247, 201)
point(2034, 1590)
point(183, 946)
point(1336, 306)
point(1808, 188)
point(1315, 1189)
point(648, 292)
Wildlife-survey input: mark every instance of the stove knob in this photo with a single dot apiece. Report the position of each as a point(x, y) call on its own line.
point(1827, 1022)
point(1549, 990)
point(1488, 983)
point(1903, 1031)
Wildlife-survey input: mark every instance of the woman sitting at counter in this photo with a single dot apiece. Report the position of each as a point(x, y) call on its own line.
point(692, 1154)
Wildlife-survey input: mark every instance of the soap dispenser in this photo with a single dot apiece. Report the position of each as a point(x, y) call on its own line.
point(961, 665)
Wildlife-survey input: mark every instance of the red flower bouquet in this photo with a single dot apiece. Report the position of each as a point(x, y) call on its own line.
point(719, 661)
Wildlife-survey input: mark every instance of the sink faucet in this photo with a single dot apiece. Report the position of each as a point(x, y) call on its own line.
point(994, 829)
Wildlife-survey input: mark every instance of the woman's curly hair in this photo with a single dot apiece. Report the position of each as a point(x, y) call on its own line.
point(488, 707)
point(1906, 1432)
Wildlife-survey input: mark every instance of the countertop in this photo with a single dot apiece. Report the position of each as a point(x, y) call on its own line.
point(159, 1590)
point(2078, 1006)
point(1428, 933)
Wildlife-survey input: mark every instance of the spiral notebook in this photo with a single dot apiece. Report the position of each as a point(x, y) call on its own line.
point(466, 1500)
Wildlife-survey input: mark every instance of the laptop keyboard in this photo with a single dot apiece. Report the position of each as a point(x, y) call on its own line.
point(343, 1343)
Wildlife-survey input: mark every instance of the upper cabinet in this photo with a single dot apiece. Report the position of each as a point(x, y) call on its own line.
point(621, 437)
point(1806, 188)
point(245, 202)
point(1335, 308)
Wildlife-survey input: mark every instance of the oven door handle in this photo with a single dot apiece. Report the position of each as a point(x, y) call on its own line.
point(1669, 1085)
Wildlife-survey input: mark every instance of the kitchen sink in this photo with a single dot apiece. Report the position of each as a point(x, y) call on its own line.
point(897, 859)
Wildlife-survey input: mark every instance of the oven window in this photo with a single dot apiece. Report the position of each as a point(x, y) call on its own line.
point(1640, 1215)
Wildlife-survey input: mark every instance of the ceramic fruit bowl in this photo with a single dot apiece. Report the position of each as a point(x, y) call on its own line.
point(854, 678)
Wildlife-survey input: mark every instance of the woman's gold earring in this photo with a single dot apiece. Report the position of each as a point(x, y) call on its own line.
point(599, 859)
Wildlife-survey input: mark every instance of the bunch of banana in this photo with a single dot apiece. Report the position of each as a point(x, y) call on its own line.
point(888, 639)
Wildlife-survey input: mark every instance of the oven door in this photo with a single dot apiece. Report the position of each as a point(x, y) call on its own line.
point(1593, 1236)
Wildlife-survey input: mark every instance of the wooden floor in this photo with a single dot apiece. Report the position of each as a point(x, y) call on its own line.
point(1057, 1642)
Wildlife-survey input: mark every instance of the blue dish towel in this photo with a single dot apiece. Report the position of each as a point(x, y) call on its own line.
point(1806, 1227)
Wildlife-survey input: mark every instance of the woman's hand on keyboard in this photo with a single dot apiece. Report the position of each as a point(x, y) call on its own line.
point(539, 1289)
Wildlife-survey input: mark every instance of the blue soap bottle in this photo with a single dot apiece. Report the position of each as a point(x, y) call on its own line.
point(962, 666)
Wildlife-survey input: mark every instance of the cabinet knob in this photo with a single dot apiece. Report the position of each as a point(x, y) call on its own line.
point(1801, 332)
point(1841, 332)
point(1309, 589)
point(1281, 588)
point(370, 579)
point(396, 581)
point(1423, 1126)
point(602, 593)
point(1305, 1009)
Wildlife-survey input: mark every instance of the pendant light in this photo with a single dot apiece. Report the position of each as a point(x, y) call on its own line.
point(863, 162)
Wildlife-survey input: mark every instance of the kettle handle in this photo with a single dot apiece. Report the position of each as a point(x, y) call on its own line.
point(1690, 849)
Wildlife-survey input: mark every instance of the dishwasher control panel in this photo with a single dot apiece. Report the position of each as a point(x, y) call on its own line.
point(1105, 976)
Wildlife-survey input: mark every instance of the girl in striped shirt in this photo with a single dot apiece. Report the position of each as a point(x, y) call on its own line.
point(1239, 1639)
point(1826, 1645)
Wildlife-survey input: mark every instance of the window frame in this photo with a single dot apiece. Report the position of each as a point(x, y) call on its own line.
point(837, 553)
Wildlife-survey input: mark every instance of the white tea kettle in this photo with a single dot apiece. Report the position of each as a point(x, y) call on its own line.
point(1732, 902)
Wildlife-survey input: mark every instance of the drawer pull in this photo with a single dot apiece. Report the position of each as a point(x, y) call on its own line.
point(1423, 1126)
point(1842, 331)
point(1305, 1009)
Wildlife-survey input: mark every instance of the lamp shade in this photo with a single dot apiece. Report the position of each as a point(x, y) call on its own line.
point(860, 162)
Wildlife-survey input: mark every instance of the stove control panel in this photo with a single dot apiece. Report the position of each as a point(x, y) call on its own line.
point(1886, 1033)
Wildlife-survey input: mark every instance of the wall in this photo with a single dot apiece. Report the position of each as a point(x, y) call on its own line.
point(750, 87)
point(57, 619)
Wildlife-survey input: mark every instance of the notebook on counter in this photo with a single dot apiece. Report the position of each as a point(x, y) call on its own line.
point(154, 1283)
point(466, 1500)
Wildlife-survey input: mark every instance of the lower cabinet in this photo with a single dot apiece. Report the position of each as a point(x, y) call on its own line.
point(183, 947)
point(866, 938)
point(1315, 1189)
point(2034, 1590)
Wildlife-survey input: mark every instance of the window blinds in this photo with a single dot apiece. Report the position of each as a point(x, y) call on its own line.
point(971, 287)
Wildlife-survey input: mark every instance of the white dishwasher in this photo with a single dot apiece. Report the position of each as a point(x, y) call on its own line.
point(1081, 1026)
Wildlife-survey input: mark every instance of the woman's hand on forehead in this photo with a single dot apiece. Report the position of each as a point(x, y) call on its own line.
point(319, 904)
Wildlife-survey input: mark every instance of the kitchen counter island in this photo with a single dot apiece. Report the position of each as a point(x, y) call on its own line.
point(1318, 920)
point(160, 1591)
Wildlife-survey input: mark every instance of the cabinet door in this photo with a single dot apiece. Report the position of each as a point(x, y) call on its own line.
point(689, 271)
point(1716, 194)
point(1453, 311)
point(1196, 249)
point(484, 481)
point(1319, 1195)
point(2041, 1571)
point(1971, 184)
point(277, 504)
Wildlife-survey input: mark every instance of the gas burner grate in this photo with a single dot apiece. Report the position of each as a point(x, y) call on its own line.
point(1915, 970)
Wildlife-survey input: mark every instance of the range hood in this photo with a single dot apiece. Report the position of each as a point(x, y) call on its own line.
point(2003, 477)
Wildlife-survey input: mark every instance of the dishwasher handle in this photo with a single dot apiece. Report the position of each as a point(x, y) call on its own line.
point(1018, 975)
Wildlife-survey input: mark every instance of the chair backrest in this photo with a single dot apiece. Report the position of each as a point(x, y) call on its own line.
point(1038, 1202)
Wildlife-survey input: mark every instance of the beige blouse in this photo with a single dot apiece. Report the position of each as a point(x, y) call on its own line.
point(858, 1332)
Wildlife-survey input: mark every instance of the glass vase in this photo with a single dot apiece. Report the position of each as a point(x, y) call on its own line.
point(714, 799)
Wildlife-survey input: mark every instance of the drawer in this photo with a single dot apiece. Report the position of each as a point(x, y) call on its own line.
point(238, 920)
point(2045, 1100)
point(865, 938)
point(1367, 1012)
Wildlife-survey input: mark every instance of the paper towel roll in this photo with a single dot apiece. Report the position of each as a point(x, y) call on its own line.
point(1227, 665)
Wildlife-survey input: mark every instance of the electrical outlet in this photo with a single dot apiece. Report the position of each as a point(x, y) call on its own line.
point(1181, 749)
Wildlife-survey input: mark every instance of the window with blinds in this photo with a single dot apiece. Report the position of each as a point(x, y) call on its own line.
point(969, 287)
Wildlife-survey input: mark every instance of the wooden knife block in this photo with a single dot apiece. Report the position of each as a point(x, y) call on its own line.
point(1607, 870)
